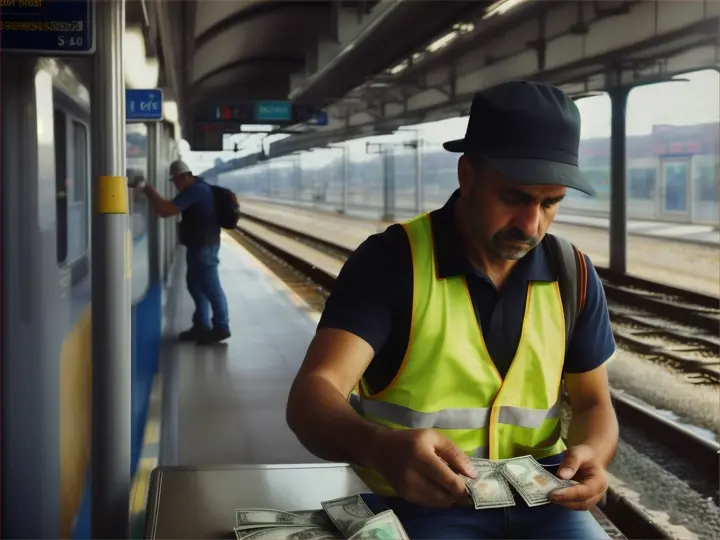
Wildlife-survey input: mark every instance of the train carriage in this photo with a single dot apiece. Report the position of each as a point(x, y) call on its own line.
point(46, 291)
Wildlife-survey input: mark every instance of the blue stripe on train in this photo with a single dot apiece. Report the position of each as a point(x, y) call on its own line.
point(147, 326)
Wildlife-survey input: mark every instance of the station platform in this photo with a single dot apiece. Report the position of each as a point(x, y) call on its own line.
point(690, 265)
point(225, 404)
point(229, 399)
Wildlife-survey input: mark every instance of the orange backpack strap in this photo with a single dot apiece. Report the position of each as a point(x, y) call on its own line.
point(572, 277)
point(582, 273)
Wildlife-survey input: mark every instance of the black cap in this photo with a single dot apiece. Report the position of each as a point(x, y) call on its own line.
point(529, 132)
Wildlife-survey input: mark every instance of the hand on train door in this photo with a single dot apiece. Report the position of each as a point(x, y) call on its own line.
point(423, 466)
point(136, 179)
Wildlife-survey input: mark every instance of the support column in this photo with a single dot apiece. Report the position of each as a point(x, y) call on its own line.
point(327, 49)
point(618, 182)
point(297, 80)
point(419, 192)
point(388, 184)
point(297, 174)
point(110, 282)
point(268, 179)
point(345, 179)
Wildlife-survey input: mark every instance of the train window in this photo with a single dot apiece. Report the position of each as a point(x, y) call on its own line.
point(137, 159)
point(80, 180)
point(61, 187)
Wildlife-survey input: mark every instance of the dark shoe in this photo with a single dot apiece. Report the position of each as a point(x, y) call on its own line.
point(194, 334)
point(216, 335)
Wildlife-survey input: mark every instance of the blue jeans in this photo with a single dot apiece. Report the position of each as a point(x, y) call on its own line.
point(203, 284)
point(549, 521)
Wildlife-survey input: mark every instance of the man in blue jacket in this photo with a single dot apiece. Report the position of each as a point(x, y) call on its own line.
point(200, 234)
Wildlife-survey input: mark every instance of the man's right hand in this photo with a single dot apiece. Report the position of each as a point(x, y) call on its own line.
point(136, 179)
point(422, 466)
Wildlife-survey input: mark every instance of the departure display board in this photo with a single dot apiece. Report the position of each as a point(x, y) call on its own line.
point(47, 27)
point(281, 113)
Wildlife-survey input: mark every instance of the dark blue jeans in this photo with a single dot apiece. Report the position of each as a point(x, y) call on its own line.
point(549, 521)
point(203, 284)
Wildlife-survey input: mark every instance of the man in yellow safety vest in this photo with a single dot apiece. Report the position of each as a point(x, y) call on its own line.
point(456, 329)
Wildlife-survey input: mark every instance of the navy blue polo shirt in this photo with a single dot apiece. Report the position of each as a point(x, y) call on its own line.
point(197, 204)
point(372, 298)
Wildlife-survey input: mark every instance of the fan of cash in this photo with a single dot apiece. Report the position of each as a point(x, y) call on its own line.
point(349, 517)
point(491, 487)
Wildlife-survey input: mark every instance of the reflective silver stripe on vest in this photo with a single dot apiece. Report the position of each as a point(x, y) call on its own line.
point(455, 418)
point(529, 418)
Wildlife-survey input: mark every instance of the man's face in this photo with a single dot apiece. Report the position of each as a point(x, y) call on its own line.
point(180, 181)
point(509, 218)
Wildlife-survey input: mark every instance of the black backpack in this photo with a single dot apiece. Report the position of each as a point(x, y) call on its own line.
point(227, 207)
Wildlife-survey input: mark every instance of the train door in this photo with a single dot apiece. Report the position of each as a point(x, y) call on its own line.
point(675, 189)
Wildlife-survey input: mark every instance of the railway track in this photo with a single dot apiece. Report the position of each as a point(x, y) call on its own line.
point(666, 323)
point(669, 325)
point(634, 325)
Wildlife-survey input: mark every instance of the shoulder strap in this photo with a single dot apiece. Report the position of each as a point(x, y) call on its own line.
point(572, 278)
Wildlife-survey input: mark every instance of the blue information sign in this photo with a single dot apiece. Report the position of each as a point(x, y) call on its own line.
point(270, 111)
point(143, 105)
point(49, 27)
point(319, 119)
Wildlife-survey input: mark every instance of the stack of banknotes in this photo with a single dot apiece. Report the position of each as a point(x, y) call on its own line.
point(491, 487)
point(349, 517)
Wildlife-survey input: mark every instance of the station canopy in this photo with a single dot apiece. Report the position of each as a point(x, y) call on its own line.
point(228, 62)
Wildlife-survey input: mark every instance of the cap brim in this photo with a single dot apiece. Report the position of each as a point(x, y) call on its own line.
point(540, 172)
point(530, 172)
point(458, 145)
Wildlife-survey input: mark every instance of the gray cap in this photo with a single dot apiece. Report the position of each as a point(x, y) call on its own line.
point(179, 167)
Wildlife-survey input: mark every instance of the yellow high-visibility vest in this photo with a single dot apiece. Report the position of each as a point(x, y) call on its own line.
point(447, 380)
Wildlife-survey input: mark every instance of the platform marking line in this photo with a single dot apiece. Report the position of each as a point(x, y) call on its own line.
point(277, 283)
point(149, 454)
point(682, 230)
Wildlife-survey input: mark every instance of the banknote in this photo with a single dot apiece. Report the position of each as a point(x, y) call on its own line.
point(531, 480)
point(258, 526)
point(347, 513)
point(489, 489)
point(482, 460)
point(317, 517)
point(288, 533)
point(268, 517)
point(383, 526)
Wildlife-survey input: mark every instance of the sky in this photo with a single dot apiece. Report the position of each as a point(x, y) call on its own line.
point(691, 99)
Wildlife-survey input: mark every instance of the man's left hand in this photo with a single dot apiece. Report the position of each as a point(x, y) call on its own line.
point(580, 465)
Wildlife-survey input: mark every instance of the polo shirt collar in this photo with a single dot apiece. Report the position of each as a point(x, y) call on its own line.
point(451, 261)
